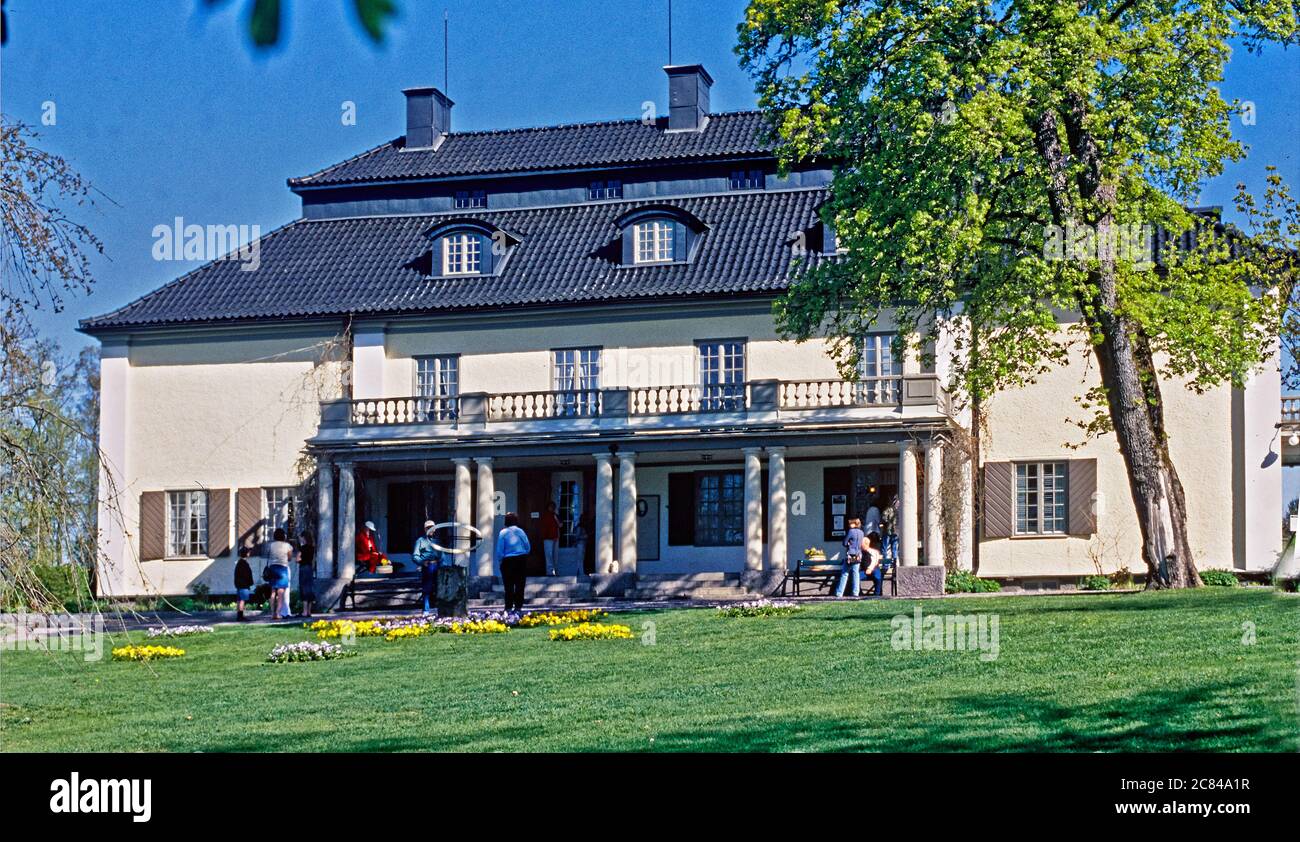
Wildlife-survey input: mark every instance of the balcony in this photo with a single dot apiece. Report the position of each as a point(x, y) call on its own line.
point(758, 403)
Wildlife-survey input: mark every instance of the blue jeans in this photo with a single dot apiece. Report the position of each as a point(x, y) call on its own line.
point(428, 582)
point(878, 576)
point(850, 572)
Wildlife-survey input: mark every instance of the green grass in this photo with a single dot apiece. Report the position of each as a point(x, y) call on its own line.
point(1110, 672)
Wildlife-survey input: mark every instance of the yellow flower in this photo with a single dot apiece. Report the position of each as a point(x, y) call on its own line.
point(592, 631)
point(146, 653)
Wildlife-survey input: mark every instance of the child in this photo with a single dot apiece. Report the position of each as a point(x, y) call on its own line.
point(243, 580)
point(874, 571)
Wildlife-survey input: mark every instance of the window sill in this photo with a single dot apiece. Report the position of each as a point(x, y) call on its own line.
point(189, 558)
point(1039, 535)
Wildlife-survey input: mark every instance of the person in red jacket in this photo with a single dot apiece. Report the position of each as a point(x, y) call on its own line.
point(368, 547)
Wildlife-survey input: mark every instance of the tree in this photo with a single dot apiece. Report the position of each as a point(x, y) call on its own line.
point(49, 457)
point(264, 18)
point(996, 164)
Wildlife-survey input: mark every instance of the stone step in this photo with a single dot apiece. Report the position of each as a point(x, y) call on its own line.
point(732, 594)
point(686, 587)
point(706, 576)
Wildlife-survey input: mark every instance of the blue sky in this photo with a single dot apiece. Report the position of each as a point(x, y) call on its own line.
point(169, 111)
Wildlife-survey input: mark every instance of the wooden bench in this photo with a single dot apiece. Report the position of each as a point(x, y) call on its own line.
point(825, 573)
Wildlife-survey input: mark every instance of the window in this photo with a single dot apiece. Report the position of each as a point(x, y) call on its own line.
point(437, 383)
point(654, 241)
point(720, 509)
point(569, 511)
point(747, 180)
point(1040, 498)
point(471, 199)
point(879, 371)
point(462, 254)
point(187, 523)
point(722, 375)
point(280, 511)
point(598, 190)
point(576, 376)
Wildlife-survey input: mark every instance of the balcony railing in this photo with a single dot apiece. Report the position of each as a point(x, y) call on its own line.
point(1291, 409)
point(756, 402)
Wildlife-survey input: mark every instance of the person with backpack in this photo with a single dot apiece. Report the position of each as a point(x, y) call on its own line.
point(849, 575)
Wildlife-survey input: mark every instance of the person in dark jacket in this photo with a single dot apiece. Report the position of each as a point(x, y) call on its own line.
point(307, 573)
point(243, 580)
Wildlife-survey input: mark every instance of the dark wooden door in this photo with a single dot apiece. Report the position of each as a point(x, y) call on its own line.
point(534, 494)
point(410, 504)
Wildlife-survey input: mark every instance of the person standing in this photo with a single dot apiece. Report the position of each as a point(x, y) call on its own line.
point(512, 551)
point(871, 520)
point(307, 573)
point(849, 574)
point(243, 581)
point(278, 554)
point(427, 557)
point(550, 538)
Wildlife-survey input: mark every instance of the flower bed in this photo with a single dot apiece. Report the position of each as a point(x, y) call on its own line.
point(178, 631)
point(331, 629)
point(476, 627)
point(287, 653)
point(760, 608)
point(560, 618)
point(592, 631)
point(146, 653)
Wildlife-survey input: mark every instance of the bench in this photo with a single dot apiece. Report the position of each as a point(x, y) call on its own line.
point(825, 573)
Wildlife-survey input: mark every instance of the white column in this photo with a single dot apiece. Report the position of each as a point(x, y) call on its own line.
point(778, 557)
point(116, 556)
point(753, 509)
point(347, 565)
point(966, 529)
point(604, 512)
point(368, 363)
point(907, 505)
point(933, 504)
point(463, 510)
point(487, 516)
point(627, 512)
point(325, 519)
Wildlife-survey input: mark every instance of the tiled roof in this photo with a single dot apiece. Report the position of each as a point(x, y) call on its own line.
point(567, 255)
point(735, 134)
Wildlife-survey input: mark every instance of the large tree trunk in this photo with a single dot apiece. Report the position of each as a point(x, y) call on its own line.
point(1127, 371)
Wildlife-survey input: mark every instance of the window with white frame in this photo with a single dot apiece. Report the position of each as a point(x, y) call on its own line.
point(569, 511)
point(437, 384)
point(598, 190)
point(653, 241)
point(722, 374)
point(719, 509)
point(879, 370)
point(747, 180)
point(575, 375)
point(280, 510)
point(471, 199)
point(187, 523)
point(462, 254)
point(1041, 505)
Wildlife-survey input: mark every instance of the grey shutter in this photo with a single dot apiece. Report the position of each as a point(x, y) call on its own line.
point(248, 516)
point(629, 245)
point(681, 242)
point(489, 258)
point(999, 502)
point(1081, 475)
point(153, 525)
point(218, 522)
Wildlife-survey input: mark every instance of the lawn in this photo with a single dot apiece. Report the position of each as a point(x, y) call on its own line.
point(1111, 672)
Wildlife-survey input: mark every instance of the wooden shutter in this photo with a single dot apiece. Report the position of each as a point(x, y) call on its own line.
point(629, 245)
point(681, 510)
point(999, 503)
point(1081, 474)
point(218, 522)
point(153, 525)
point(681, 242)
point(248, 516)
point(487, 258)
point(836, 482)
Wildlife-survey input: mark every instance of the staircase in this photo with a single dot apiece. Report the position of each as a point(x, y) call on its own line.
point(722, 587)
point(543, 590)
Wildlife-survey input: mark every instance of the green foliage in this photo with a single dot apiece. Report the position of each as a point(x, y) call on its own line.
point(1219, 578)
point(265, 27)
point(1122, 578)
point(1094, 583)
point(963, 581)
point(65, 586)
point(949, 206)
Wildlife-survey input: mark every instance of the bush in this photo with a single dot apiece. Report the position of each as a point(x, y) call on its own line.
point(1288, 585)
point(1095, 583)
point(1219, 578)
point(1122, 578)
point(963, 581)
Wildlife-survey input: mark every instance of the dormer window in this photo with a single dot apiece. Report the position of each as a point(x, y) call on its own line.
point(471, 199)
point(654, 241)
point(462, 254)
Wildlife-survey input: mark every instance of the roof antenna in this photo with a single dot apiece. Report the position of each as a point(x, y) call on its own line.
point(670, 32)
point(445, 26)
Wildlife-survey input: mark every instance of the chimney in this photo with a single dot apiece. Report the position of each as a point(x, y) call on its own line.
point(428, 117)
point(688, 97)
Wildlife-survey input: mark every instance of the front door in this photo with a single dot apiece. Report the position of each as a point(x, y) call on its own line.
point(534, 494)
point(567, 492)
